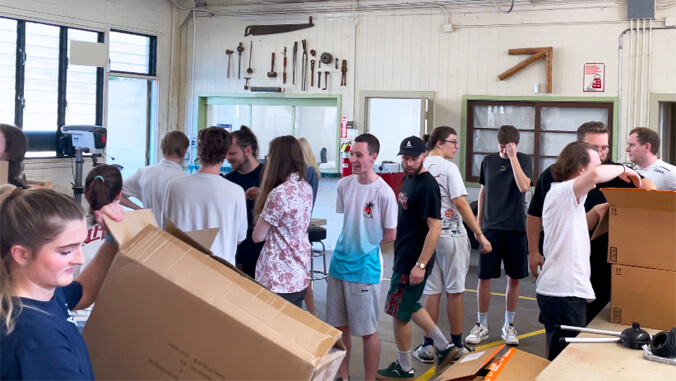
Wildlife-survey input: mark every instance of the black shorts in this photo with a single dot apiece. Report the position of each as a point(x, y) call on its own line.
point(508, 247)
point(295, 297)
point(556, 310)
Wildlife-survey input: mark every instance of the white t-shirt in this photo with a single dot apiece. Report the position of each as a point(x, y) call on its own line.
point(451, 186)
point(148, 185)
point(367, 210)
point(566, 270)
point(661, 173)
point(202, 201)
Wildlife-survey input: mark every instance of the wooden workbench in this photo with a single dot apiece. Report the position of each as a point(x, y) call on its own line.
point(605, 361)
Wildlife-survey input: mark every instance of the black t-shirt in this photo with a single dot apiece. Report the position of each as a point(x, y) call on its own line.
point(418, 200)
point(505, 205)
point(248, 251)
point(46, 343)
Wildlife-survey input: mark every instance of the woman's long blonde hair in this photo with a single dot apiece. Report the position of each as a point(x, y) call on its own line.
point(308, 156)
point(29, 218)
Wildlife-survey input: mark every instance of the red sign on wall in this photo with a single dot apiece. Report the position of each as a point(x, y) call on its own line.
point(594, 78)
point(343, 127)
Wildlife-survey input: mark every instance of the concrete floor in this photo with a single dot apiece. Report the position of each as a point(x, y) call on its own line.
point(531, 332)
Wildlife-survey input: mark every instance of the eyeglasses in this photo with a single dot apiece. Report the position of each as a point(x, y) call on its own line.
point(453, 142)
point(602, 149)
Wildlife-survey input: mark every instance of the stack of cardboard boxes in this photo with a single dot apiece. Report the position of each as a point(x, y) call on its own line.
point(642, 249)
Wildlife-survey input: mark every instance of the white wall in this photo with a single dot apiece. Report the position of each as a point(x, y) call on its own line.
point(407, 51)
point(148, 17)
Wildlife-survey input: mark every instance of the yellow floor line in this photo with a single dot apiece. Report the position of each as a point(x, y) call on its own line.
point(498, 294)
point(431, 371)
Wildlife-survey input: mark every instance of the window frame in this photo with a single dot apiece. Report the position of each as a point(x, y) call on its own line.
point(152, 55)
point(42, 141)
point(537, 104)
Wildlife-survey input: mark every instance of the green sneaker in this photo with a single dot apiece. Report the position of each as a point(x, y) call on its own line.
point(445, 357)
point(394, 372)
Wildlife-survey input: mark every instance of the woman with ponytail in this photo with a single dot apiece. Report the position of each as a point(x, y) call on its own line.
point(41, 236)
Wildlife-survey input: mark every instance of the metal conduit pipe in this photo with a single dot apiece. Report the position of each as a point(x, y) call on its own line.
point(619, 83)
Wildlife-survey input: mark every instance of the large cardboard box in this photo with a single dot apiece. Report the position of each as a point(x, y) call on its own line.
point(4, 172)
point(647, 296)
point(642, 228)
point(495, 364)
point(168, 311)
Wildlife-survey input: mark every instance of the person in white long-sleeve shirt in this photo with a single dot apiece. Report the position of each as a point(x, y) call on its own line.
point(563, 286)
point(148, 183)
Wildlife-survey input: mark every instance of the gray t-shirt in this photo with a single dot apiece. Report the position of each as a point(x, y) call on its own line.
point(505, 205)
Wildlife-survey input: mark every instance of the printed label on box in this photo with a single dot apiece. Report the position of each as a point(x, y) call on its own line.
point(472, 357)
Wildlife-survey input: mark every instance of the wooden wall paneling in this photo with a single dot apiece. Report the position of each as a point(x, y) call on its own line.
point(397, 54)
point(389, 56)
point(405, 53)
point(380, 59)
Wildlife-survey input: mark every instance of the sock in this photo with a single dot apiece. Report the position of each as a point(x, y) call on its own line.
point(509, 317)
point(427, 341)
point(438, 337)
point(404, 359)
point(483, 319)
point(457, 340)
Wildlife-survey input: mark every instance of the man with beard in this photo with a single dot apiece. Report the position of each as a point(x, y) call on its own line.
point(246, 172)
point(596, 134)
point(418, 230)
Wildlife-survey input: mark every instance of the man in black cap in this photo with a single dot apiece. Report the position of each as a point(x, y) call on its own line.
point(418, 229)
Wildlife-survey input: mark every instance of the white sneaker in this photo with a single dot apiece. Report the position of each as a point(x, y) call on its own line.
point(463, 351)
point(509, 334)
point(424, 354)
point(478, 334)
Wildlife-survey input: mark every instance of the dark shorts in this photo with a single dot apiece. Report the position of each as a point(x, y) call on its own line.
point(295, 297)
point(248, 269)
point(554, 311)
point(508, 247)
point(403, 299)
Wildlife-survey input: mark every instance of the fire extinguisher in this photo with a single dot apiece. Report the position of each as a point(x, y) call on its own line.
point(346, 167)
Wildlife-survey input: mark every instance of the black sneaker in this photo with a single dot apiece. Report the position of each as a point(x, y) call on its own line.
point(445, 357)
point(394, 372)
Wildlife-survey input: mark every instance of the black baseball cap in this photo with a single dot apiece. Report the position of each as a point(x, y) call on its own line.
point(412, 146)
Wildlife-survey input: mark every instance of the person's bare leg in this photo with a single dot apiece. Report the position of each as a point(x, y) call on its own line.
point(371, 355)
point(512, 294)
point(310, 301)
point(344, 370)
point(423, 320)
point(402, 334)
point(484, 295)
point(455, 312)
point(432, 306)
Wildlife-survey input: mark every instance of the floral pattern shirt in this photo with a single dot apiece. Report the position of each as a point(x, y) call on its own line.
point(283, 266)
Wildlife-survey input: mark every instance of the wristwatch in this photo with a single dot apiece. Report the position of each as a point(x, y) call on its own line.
point(420, 265)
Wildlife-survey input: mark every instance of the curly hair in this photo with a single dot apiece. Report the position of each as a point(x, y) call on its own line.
point(213, 144)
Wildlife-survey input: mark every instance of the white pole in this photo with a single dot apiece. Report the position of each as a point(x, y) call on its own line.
point(591, 340)
point(589, 330)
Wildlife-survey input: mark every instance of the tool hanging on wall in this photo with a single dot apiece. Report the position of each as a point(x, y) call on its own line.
point(257, 30)
point(303, 64)
point(312, 72)
point(343, 69)
point(319, 79)
point(246, 84)
point(336, 63)
point(250, 70)
point(240, 49)
point(272, 73)
point(326, 80)
point(284, 63)
point(229, 52)
point(293, 66)
point(326, 58)
point(257, 89)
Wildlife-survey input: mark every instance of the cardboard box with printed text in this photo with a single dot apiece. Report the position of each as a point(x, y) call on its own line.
point(641, 226)
point(647, 296)
point(495, 364)
point(169, 311)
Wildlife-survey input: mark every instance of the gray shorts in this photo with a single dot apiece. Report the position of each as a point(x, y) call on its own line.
point(451, 266)
point(353, 304)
